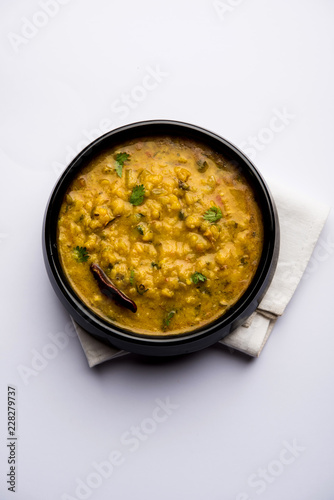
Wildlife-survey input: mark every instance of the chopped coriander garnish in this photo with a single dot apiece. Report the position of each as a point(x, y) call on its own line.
point(202, 165)
point(120, 159)
point(213, 214)
point(119, 169)
point(81, 254)
point(140, 230)
point(198, 277)
point(137, 195)
point(154, 264)
point(168, 318)
point(132, 277)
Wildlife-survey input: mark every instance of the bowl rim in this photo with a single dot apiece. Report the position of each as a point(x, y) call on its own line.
point(179, 343)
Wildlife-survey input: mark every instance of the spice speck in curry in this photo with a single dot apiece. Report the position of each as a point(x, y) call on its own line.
point(170, 224)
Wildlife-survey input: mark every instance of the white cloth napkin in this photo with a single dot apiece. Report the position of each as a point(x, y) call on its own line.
point(301, 221)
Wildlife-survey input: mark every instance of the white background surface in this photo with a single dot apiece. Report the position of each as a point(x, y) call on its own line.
point(234, 416)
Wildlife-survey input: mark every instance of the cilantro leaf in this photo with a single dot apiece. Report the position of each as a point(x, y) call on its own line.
point(202, 165)
point(197, 277)
point(213, 214)
point(140, 230)
point(137, 195)
point(119, 169)
point(81, 254)
point(167, 319)
point(132, 277)
point(120, 159)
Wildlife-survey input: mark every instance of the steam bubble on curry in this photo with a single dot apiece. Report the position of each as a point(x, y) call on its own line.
point(173, 224)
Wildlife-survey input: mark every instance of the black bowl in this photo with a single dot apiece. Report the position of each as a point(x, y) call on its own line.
point(183, 343)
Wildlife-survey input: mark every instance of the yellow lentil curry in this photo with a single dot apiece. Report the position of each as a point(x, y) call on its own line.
point(172, 224)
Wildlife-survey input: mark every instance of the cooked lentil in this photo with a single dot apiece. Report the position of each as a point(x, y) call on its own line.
point(174, 225)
